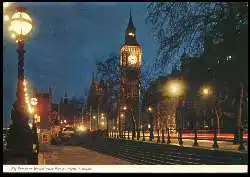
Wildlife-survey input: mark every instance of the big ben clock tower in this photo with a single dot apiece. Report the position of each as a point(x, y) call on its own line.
point(130, 64)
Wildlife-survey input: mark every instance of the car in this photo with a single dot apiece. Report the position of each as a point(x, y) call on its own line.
point(68, 132)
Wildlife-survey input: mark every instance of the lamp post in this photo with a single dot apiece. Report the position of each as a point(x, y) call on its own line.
point(151, 136)
point(176, 88)
point(20, 26)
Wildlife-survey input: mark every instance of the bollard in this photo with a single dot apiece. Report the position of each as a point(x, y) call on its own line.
point(143, 135)
point(241, 147)
point(195, 138)
point(163, 138)
point(236, 138)
point(168, 142)
point(138, 135)
point(158, 137)
point(215, 145)
point(151, 136)
point(180, 138)
point(128, 134)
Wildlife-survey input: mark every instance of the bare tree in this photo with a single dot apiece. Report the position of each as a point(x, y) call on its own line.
point(181, 27)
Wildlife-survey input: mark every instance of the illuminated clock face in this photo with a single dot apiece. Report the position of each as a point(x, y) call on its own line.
point(132, 59)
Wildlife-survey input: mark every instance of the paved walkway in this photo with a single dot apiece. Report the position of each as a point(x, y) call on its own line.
point(74, 155)
point(205, 144)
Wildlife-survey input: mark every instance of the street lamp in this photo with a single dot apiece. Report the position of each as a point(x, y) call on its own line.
point(176, 88)
point(20, 27)
point(206, 91)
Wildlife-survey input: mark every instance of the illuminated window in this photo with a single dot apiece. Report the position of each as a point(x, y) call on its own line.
point(131, 34)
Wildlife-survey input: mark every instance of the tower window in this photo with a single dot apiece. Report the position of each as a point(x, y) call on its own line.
point(131, 34)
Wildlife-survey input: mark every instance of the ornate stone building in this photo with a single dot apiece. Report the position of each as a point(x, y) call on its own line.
point(99, 106)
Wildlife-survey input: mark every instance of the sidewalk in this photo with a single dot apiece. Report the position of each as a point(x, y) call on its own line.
point(75, 155)
point(203, 144)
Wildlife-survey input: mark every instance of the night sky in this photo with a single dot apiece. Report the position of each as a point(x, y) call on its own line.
point(67, 38)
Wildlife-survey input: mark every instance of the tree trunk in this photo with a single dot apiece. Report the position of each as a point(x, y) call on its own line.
point(133, 124)
point(239, 124)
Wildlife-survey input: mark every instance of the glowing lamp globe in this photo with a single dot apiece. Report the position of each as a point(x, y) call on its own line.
point(20, 24)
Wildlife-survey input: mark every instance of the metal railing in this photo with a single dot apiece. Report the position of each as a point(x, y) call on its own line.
point(167, 136)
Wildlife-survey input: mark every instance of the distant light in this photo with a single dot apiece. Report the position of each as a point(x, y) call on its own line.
point(30, 124)
point(102, 123)
point(122, 115)
point(6, 18)
point(33, 101)
point(94, 117)
point(25, 89)
point(125, 107)
point(113, 127)
point(205, 91)
point(81, 128)
point(131, 34)
point(31, 110)
point(65, 121)
point(149, 109)
point(149, 126)
point(24, 82)
point(13, 36)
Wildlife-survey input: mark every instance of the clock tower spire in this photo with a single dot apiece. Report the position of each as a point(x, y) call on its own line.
point(130, 33)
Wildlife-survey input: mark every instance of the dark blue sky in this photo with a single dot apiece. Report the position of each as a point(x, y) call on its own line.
point(66, 40)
